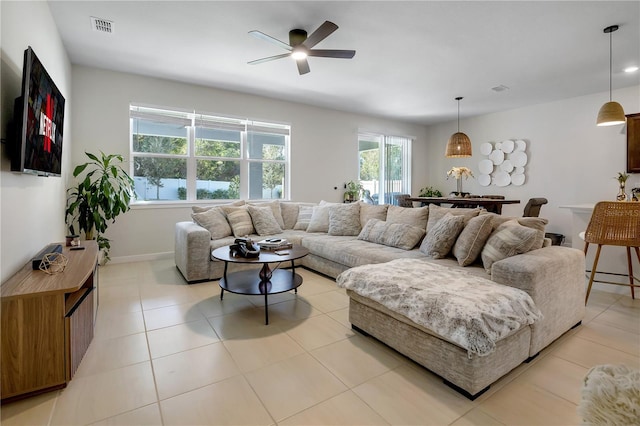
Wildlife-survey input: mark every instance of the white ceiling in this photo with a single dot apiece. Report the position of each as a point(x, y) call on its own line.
point(413, 58)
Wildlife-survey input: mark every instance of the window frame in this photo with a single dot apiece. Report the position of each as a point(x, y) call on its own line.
point(215, 122)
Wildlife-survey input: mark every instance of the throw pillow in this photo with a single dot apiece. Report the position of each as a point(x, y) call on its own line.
point(536, 223)
point(509, 239)
point(198, 209)
point(263, 220)
point(289, 211)
point(372, 211)
point(320, 218)
point(304, 217)
point(398, 235)
point(275, 208)
point(239, 219)
point(416, 216)
point(214, 221)
point(436, 213)
point(344, 220)
point(441, 237)
point(469, 244)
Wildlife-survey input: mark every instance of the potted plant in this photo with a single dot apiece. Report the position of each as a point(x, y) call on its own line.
point(429, 191)
point(353, 191)
point(622, 181)
point(101, 195)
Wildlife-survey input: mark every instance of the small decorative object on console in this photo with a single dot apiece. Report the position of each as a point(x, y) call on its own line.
point(622, 180)
point(52, 263)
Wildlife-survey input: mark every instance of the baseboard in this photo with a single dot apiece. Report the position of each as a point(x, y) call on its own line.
point(141, 257)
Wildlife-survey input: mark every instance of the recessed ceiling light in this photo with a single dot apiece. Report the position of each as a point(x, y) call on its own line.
point(631, 69)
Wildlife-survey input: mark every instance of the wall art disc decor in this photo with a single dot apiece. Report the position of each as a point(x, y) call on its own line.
point(486, 148)
point(485, 167)
point(484, 180)
point(504, 163)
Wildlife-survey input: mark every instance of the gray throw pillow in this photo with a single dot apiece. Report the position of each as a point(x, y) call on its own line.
point(398, 235)
point(239, 219)
point(214, 221)
point(304, 217)
point(344, 219)
point(509, 239)
point(263, 220)
point(320, 218)
point(441, 237)
point(472, 238)
point(275, 209)
point(537, 223)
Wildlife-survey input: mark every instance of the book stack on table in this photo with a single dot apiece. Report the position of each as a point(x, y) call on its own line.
point(273, 244)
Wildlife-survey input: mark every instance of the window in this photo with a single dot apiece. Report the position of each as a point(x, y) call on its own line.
point(385, 166)
point(190, 156)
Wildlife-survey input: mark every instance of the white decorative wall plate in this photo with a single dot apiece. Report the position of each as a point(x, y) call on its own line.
point(504, 164)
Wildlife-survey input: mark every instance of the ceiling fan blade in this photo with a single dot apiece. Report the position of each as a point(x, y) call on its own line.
point(320, 34)
point(269, 58)
point(303, 66)
point(344, 54)
point(268, 38)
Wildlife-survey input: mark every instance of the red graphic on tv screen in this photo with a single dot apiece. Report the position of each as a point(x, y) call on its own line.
point(47, 126)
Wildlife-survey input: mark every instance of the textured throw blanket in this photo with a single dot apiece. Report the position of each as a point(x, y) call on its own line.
point(471, 311)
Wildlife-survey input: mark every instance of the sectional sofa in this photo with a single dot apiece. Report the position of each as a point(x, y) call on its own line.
point(463, 244)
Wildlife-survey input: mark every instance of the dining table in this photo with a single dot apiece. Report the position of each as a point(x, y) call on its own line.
point(493, 205)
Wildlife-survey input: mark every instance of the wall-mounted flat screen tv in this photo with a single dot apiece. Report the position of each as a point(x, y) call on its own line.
point(38, 122)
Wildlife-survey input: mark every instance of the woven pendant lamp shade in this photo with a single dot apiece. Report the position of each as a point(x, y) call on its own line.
point(459, 145)
point(610, 114)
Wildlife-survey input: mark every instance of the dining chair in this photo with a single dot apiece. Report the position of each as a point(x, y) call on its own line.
point(495, 208)
point(402, 201)
point(533, 206)
point(614, 223)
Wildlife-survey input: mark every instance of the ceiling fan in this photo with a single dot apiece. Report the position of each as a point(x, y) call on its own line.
point(300, 46)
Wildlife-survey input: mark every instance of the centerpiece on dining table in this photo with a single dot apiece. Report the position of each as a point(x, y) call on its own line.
point(458, 173)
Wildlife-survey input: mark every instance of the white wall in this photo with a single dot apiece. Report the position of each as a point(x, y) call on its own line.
point(31, 207)
point(324, 152)
point(571, 160)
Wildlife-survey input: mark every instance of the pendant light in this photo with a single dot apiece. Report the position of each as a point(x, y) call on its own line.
point(459, 144)
point(611, 113)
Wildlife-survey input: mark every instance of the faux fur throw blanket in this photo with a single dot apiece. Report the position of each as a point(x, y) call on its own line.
point(470, 311)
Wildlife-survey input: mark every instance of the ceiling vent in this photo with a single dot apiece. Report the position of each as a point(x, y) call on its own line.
point(500, 88)
point(101, 25)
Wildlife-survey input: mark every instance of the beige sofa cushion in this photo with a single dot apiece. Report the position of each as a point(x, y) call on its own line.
point(214, 221)
point(398, 235)
point(198, 209)
point(409, 215)
point(344, 219)
point(275, 209)
point(471, 240)
point(441, 237)
point(372, 211)
point(436, 213)
point(320, 218)
point(304, 218)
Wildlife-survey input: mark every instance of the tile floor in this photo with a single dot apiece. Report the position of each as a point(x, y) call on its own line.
point(169, 353)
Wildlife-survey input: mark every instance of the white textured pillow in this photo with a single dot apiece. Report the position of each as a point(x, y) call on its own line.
point(344, 219)
point(441, 237)
point(239, 219)
point(320, 217)
point(304, 217)
point(509, 239)
point(214, 221)
point(263, 220)
point(398, 235)
point(275, 209)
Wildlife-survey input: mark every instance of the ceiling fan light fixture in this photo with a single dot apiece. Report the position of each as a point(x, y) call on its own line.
point(299, 52)
point(611, 113)
point(459, 144)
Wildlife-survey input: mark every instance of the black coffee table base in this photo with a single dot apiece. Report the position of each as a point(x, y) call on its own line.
point(250, 283)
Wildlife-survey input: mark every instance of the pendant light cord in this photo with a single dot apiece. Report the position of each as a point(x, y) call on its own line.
point(610, 63)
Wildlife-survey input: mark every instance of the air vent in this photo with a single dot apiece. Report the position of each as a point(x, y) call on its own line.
point(500, 88)
point(101, 25)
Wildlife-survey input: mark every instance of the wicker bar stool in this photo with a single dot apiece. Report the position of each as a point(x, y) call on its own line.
point(614, 224)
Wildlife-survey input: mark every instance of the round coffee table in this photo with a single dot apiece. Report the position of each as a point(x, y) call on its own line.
point(264, 281)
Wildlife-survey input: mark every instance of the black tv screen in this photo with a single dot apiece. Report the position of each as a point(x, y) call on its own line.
point(38, 121)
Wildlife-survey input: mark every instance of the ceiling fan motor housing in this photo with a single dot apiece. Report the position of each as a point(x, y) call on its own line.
point(297, 37)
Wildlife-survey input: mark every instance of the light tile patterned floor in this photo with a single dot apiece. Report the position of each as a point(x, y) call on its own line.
point(174, 354)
